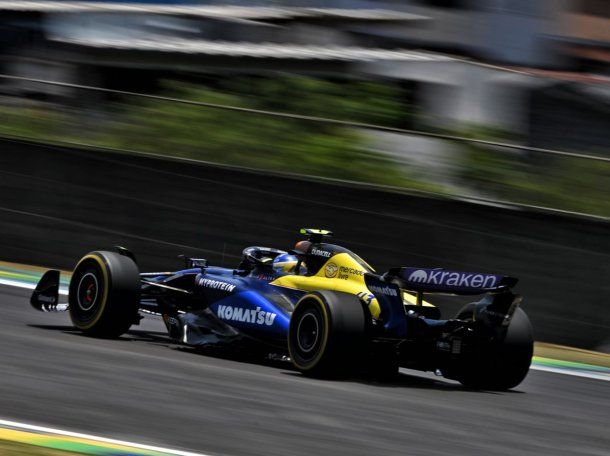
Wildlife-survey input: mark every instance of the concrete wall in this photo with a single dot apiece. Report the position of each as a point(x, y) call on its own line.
point(56, 204)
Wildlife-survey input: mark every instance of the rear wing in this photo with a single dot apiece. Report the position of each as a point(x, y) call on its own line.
point(495, 309)
point(423, 280)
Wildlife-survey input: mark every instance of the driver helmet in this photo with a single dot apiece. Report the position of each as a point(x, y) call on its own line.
point(302, 247)
point(285, 263)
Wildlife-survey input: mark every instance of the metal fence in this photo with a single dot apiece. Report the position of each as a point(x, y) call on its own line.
point(496, 172)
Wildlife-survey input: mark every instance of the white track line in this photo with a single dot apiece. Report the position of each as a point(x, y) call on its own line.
point(575, 373)
point(47, 430)
point(27, 286)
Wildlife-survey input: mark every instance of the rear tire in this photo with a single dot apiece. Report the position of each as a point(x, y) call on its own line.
point(104, 294)
point(504, 365)
point(327, 333)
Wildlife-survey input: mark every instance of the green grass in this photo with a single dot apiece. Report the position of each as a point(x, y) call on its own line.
point(22, 449)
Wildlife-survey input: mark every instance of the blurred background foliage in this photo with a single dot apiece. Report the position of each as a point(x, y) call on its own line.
point(237, 138)
point(565, 183)
point(314, 148)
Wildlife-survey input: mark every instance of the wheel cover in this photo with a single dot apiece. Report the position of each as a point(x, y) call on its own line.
point(308, 332)
point(87, 291)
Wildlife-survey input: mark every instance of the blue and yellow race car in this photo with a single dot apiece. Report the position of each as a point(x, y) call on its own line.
point(320, 304)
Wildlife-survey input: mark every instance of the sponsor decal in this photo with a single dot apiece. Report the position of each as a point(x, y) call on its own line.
point(266, 277)
point(331, 270)
point(444, 346)
point(345, 272)
point(384, 290)
point(255, 316)
point(366, 297)
point(419, 276)
point(46, 299)
point(456, 346)
point(495, 314)
point(323, 253)
point(216, 284)
point(453, 279)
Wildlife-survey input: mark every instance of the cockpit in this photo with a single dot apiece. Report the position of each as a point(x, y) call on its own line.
point(306, 259)
point(268, 259)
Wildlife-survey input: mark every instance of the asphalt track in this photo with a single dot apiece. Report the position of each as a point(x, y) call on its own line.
point(142, 388)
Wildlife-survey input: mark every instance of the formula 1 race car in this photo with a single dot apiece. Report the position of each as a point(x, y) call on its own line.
point(320, 304)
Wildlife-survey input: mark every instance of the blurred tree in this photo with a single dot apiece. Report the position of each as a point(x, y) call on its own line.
point(263, 141)
point(565, 183)
point(313, 148)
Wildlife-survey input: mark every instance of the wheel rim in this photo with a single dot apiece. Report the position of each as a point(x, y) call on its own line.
point(308, 332)
point(87, 291)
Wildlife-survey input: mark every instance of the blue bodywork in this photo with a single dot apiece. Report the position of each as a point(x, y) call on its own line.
point(212, 305)
point(228, 306)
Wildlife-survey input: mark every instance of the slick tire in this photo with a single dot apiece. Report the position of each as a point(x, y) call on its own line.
point(504, 365)
point(104, 294)
point(327, 334)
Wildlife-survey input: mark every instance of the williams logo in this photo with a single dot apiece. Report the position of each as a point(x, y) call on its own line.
point(255, 316)
point(453, 279)
point(331, 270)
point(323, 253)
point(216, 284)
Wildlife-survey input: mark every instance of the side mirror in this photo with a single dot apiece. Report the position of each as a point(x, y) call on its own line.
point(190, 263)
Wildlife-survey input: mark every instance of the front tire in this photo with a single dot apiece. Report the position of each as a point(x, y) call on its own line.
point(327, 333)
point(104, 294)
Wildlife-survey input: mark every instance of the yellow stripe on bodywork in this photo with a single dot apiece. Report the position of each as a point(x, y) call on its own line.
point(340, 273)
point(412, 299)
